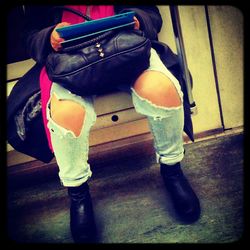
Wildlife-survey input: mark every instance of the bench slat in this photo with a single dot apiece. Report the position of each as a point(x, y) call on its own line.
point(18, 69)
point(129, 122)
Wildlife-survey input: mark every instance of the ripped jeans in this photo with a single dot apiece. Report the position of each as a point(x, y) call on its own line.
point(166, 125)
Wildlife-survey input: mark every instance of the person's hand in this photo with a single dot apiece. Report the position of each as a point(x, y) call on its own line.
point(55, 39)
point(137, 24)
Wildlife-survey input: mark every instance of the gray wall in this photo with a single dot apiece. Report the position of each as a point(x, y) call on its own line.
point(226, 24)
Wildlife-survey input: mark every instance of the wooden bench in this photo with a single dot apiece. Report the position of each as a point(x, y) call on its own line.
point(117, 121)
point(119, 132)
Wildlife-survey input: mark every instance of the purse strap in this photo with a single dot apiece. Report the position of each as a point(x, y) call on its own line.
point(76, 12)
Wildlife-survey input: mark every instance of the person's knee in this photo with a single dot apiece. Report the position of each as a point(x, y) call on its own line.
point(157, 88)
point(68, 114)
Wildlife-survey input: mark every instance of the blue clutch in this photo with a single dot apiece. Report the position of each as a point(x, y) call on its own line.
point(94, 27)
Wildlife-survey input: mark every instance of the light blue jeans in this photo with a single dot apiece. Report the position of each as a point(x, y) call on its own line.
point(71, 152)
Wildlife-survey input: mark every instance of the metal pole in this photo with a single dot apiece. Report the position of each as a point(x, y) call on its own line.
point(182, 56)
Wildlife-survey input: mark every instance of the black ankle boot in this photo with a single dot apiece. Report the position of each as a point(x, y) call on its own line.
point(82, 222)
point(185, 201)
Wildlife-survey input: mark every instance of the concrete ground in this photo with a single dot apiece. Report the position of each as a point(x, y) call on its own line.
point(131, 204)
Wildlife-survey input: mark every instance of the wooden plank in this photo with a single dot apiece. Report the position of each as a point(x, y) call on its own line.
point(101, 151)
point(113, 102)
point(15, 158)
point(198, 53)
point(97, 155)
point(103, 104)
point(167, 34)
point(105, 121)
point(100, 136)
point(118, 132)
point(10, 86)
point(228, 41)
point(123, 116)
point(18, 69)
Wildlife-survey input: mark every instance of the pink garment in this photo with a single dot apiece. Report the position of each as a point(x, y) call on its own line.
point(45, 86)
point(95, 12)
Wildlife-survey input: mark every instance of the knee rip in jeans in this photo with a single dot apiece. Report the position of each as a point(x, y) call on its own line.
point(147, 107)
point(68, 114)
point(158, 89)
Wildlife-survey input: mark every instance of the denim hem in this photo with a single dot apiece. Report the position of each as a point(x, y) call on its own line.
point(74, 183)
point(169, 160)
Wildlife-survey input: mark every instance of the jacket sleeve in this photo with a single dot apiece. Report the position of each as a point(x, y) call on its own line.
point(148, 16)
point(37, 32)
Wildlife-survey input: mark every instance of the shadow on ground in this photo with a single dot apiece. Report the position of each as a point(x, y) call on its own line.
point(131, 204)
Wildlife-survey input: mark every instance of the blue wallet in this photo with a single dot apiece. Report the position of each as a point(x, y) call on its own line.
point(94, 27)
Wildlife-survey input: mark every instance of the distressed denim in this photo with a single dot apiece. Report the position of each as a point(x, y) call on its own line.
point(71, 152)
point(166, 124)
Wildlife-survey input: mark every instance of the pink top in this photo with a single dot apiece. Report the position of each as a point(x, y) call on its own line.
point(95, 12)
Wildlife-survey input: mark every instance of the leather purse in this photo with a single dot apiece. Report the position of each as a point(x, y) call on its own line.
point(99, 65)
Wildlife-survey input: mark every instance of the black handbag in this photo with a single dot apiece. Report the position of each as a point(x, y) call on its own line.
point(99, 65)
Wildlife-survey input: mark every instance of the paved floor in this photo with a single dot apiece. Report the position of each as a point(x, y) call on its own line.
point(132, 206)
